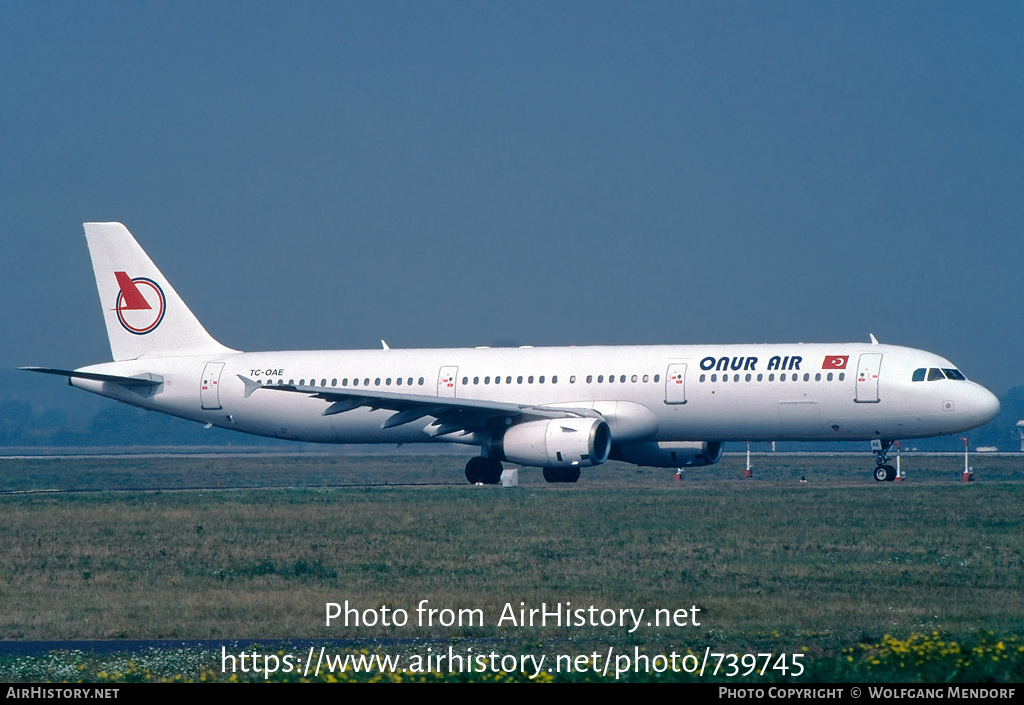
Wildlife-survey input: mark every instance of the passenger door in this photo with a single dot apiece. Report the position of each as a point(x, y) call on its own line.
point(447, 382)
point(209, 392)
point(675, 383)
point(867, 377)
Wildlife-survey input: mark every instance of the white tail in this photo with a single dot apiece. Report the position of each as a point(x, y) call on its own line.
point(145, 317)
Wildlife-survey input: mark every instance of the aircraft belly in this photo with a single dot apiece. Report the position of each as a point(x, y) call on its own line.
point(721, 418)
point(801, 419)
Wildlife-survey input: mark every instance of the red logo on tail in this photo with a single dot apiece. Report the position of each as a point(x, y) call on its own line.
point(130, 295)
point(140, 303)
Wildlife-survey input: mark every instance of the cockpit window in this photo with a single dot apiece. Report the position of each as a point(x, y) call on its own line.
point(919, 374)
point(935, 373)
point(954, 374)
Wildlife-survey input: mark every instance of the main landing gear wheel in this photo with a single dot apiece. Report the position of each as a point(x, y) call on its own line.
point(885, 473)
point(562, 474)
point(483, 470)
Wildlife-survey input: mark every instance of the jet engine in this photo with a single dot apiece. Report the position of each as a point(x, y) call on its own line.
point(690, 454)
point(558, 443)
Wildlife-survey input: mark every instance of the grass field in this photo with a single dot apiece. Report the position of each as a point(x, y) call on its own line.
point(772, 563)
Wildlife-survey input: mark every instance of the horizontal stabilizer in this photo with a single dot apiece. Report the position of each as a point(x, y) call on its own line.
point(151, 381)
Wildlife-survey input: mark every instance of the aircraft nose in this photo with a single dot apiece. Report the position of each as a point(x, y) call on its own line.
point(983, 405)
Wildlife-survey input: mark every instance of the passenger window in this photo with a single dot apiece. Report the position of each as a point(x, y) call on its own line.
point(934, 373)
point(622, 379)
point(829, 378)
point(508, 380)
point(572, 379)
point(541, 379)
point(782, 377)
point(399, 381)
point(465, 380)
point(633, 378)
point(771, 377)
point(842, 376)
point(590, 378)
point(807, 377)
point(600, 378)
point(519, 379)
point(388, 381)
point(760, 377)
point(487, 380)
point(611, 379)
point(646, 378)
point(421, 381)
point(918, 375)
point(554, 379)
point(714, 378)
point(748, 377)
point(497, 380)
point(657, 377)
point(817, 377)
point(530, 379)
point(334, 383)
point(735, 378)
point(476, 380)
point(703, 377)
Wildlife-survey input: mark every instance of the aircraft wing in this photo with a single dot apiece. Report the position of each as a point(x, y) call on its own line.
point(451, 414)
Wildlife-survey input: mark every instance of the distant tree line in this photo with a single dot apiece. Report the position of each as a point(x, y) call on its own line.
point(113, 425)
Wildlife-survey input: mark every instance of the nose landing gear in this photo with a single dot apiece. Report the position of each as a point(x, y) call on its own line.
point(883, 471)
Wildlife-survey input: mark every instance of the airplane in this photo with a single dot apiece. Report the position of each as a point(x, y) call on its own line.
point(558, 408)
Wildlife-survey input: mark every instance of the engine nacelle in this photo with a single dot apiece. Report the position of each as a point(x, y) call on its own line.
point(690, 454)
point(558, 443)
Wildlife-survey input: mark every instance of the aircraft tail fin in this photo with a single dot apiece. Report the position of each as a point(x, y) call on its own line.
point(145, 317)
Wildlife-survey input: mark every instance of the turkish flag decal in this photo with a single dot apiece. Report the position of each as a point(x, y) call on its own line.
point(835, 362)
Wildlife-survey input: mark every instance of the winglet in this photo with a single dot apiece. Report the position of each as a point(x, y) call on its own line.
point(384, 345)
point(874, 340)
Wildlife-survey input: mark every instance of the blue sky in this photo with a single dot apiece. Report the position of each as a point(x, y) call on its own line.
point(327, 174)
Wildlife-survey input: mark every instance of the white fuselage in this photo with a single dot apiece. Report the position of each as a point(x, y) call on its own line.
point(805, 392)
